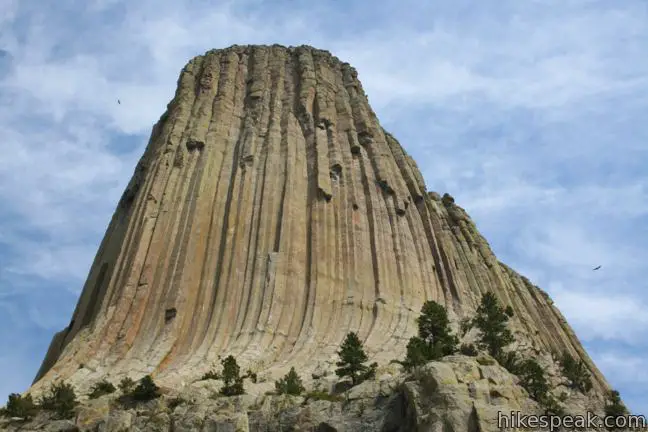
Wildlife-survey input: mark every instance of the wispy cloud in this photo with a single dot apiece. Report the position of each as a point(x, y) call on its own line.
point(532, 114)
point(626, 369)
point(597, 316)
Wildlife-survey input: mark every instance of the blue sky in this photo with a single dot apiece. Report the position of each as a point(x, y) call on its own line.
point(532, 114)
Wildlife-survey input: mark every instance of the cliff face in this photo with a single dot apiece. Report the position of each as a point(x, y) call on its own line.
point(270, 215)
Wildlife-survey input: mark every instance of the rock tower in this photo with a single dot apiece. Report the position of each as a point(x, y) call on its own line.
point(270, 215)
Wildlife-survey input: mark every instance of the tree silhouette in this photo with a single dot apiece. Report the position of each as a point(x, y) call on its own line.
point(576, 373)
point(146, 389)
point(434, 340)
point(19, 406)
point(232, 380)
point(491, 319)
point(614, 407)
point(352, 360)
point(61, 399)
point(290, 384)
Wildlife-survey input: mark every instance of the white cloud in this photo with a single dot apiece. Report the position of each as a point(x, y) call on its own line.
point(608, 317)
point(8, 11)
point(626, 371)
point(572, 248)
point(535, 62)
point(624, 368)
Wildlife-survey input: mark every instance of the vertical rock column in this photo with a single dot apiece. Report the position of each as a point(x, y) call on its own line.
point(270, 215)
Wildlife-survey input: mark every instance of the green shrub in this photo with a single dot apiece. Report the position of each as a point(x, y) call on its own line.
point(352, 360)
point(468, 350)
point(145, 390)
point(126, 385)
point(510, 361)
point(464, 326)
point(551, 406)
point(370, 373)
point(19, 406)
point(173, 403)
point(61, 400)
point(361, 409)
point(101, 388)
point(576, 373)
point(251, 375)
point(290, 384)
point(232, 380)
point(211, 375)
point(447, 199)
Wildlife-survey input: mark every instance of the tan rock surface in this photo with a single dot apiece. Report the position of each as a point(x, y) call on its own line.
point(270, 215)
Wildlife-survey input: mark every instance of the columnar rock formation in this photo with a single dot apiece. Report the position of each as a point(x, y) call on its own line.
point(270, 215)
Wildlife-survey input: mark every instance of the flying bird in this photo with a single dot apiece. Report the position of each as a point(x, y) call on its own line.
point(118, 101)
point(596, 268)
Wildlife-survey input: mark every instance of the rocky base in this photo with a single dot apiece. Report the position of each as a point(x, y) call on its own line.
point(457, 394)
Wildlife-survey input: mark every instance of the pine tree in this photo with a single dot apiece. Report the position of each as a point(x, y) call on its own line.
point(417, 353)
point(352, 360)
point(126, 385)
point(510, 361)
point(61, 399)
point(552, 406)
point(533, 379)
point(290, 384)
point(434, 328)
point(468, 350)
point(101, 388)
point(19, 406)
point(434, 339)
point(576, 373)
point(491, 320)
point(232, 380)
point(614, 407)
point(145, 390)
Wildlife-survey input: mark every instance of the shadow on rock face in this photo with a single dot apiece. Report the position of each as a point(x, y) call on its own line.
point(325, 427)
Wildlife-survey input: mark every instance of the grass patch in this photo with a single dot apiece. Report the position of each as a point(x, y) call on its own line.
point(321, 395)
